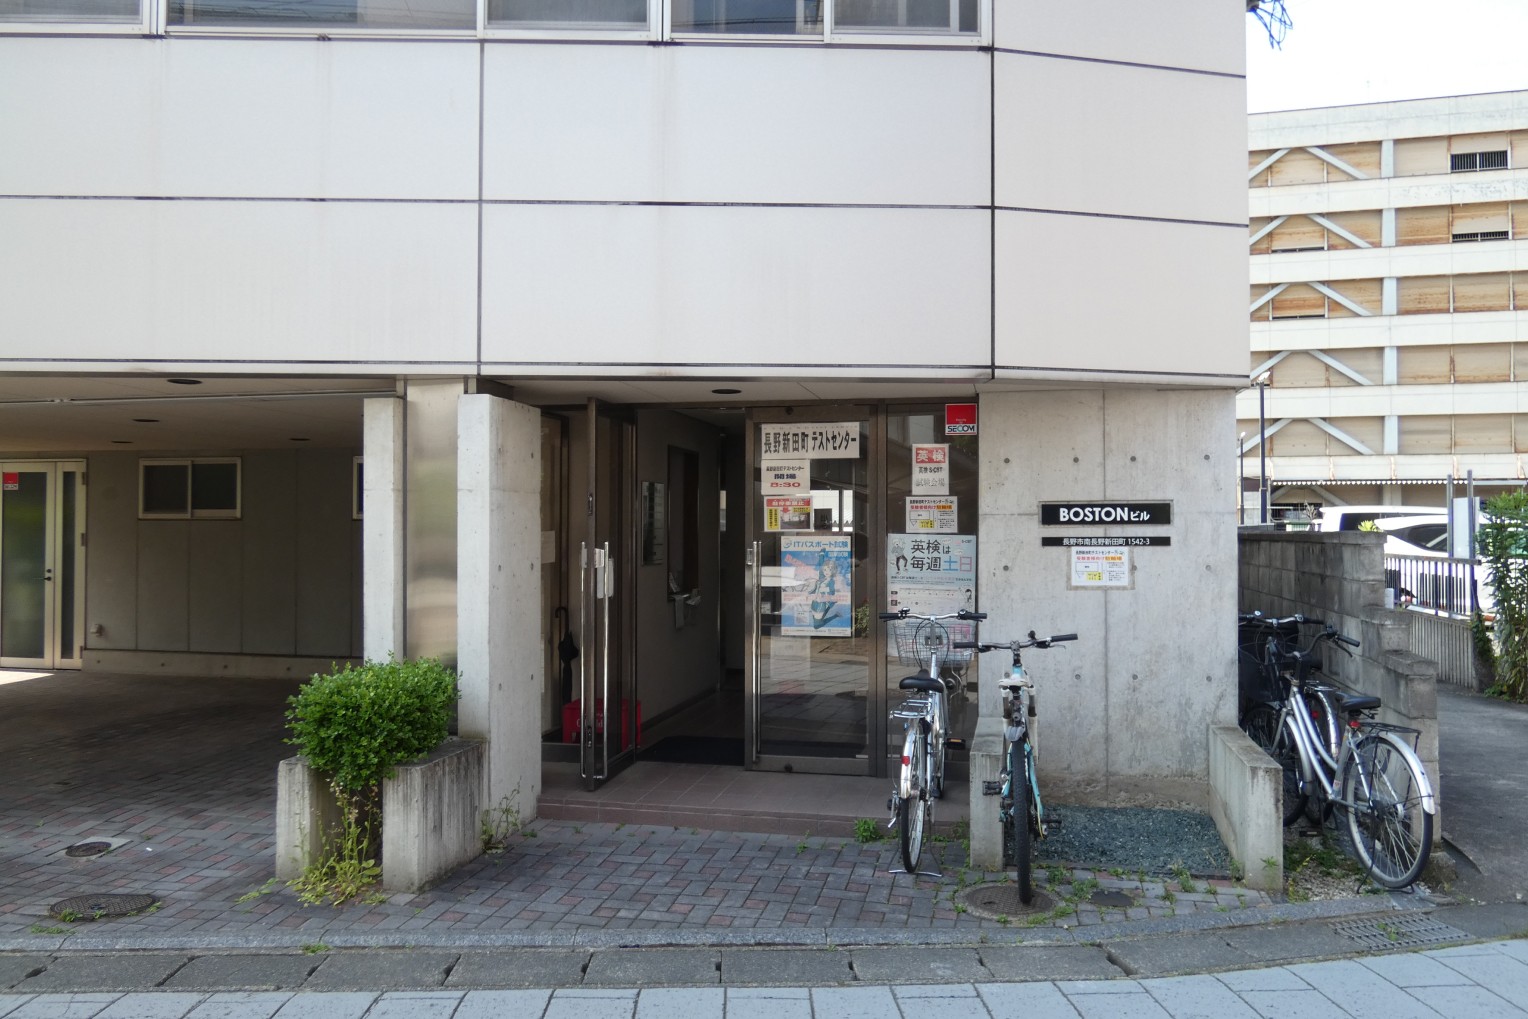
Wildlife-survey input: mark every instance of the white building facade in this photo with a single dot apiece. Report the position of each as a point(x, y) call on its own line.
point(1389, 274)
point(330, 329)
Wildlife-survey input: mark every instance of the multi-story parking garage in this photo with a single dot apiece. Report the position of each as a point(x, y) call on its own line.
point(1388, 282)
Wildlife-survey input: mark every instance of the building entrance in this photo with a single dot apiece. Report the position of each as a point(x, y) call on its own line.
point(714, 576)
point(42, 564)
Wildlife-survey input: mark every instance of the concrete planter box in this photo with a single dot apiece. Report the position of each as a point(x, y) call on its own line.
point(432, 812)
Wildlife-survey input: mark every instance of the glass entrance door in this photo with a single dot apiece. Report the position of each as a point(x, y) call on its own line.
point(42, 524)
point(609, 713)
point(813, 689)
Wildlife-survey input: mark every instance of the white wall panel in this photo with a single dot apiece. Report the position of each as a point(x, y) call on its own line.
point(703, 286)
point(1134, 141)
point(237, 281)
point(1199, 34)
point(736, 124)
point(236, 118)
point(1084, 292)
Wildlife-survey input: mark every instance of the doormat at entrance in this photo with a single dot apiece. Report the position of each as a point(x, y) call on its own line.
point(696, 750)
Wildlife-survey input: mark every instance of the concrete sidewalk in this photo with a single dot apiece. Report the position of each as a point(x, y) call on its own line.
point(1273, 969)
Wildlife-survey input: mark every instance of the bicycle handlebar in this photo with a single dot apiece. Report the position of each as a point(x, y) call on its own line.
point(909, 614)
point(1015, 645)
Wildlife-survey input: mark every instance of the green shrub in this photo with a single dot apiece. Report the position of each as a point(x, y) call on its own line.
point(356, 725)
point(1504, 546)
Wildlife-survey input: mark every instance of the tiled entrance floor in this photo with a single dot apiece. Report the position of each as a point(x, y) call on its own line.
point(185, 770)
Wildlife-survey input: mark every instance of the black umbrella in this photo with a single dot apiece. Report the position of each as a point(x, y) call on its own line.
point(567, 650)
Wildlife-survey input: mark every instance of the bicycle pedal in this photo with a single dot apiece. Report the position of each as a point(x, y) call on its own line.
point(1053, 824)
point(992, 788)
point(955, 743)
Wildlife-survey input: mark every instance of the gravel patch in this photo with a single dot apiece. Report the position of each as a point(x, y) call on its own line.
point(1136, 839)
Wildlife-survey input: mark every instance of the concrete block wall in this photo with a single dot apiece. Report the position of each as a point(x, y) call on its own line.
point(1339, 578)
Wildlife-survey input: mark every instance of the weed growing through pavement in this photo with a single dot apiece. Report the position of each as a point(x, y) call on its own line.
point(38, 928)
point(866, 830)
point(265, 889)
point(315, 947)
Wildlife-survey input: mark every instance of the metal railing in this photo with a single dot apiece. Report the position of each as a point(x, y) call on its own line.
point(1437, 584)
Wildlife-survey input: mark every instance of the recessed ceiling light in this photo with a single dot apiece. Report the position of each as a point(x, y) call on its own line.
point(145, 421)
point(184, 382)
point(122, 442)
point(726, 392)
point(299, 438)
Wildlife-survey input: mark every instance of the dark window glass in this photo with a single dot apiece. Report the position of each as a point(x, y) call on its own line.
point(214, 486)
point(166, 488)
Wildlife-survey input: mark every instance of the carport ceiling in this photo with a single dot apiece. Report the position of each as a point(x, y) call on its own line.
point(76, 415)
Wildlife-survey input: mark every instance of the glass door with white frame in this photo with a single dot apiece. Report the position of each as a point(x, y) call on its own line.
point(42, 564)
point(808, 667)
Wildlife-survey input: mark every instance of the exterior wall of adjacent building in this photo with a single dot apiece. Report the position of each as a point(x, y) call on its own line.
point(1389, 253)
point(1046, 217)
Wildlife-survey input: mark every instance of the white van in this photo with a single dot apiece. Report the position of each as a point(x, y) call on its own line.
point(1352, 518)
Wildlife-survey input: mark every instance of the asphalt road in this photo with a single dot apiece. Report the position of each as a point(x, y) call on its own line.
point(1483, 751)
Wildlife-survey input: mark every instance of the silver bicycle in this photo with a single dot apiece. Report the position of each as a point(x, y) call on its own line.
point(925, 718)
point(1375, 778)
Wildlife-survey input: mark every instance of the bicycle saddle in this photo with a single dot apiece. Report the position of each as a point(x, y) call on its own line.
point(922, 681)
point(1354, 704)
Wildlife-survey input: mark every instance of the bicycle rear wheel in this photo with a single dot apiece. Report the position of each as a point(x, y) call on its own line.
point(1264, 724)
point(1019, 819)
point(913, 809)
point(1392, 834)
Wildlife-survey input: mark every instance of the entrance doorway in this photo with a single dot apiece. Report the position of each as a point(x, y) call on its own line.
point(722, 571)
point(42, 564)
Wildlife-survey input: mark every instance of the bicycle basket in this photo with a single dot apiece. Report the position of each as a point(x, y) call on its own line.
point(917, 638)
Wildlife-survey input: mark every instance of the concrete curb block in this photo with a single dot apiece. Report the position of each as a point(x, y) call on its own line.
point(806, 937)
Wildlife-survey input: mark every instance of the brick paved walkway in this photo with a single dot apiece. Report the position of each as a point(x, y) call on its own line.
point(190, 781)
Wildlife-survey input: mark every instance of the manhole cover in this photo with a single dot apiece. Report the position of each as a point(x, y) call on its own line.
point(1112, 900)
point(97, 907)
point(994, 901)
point(1399, 932)
point(88, 849)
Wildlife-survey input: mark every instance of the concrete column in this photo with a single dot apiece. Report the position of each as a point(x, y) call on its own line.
point(382, 528)
point(429, 523)
point(498, 586)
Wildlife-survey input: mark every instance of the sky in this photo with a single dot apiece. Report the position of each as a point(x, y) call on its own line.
point(1368, 51)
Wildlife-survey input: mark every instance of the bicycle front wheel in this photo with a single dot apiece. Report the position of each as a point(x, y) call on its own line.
point(1264, 724)
point(1392, 833)
point(1019, 819)
point(913, 810)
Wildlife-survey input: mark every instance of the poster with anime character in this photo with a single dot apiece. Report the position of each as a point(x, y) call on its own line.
point(816, 599)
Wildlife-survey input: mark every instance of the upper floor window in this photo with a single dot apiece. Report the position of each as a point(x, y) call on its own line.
point(1460, 162)
point(433, 14)
point(125, 12)
point(614, 15)
point(761, 18)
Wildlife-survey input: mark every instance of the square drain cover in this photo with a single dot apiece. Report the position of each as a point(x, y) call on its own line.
point(1399, 932)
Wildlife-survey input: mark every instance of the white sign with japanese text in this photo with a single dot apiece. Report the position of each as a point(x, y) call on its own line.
point(931, 514)
point(786, 477)
point(931, 468)
point(1101, 567)
point(816, 440)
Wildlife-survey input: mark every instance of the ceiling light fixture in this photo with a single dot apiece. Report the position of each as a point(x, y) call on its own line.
point(726, 392)
point(299, 438)
point(145, 421)
point(184, 382)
